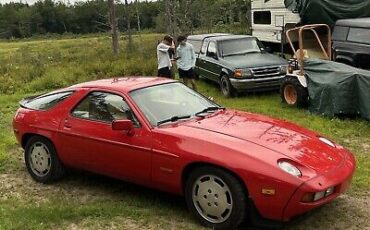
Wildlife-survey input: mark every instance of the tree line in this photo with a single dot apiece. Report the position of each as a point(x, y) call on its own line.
point(21, 20)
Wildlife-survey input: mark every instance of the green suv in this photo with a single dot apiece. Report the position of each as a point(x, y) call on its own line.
point(239, 63)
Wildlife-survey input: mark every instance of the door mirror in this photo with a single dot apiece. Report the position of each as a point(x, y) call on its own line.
point(268, 49)
point(123, 125)
point(213, 55)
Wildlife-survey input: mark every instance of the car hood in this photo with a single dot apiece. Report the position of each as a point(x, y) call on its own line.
point(255, 60)
point(291, 141)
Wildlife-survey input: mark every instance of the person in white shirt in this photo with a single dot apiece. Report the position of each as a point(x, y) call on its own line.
point(165, 50)
point(186, 58)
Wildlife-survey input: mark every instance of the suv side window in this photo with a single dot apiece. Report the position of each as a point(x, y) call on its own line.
point(105, 107)
point(212, 48)
point(359, 35)
point(340, 33)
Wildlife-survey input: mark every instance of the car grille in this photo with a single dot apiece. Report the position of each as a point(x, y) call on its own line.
point(266, 72)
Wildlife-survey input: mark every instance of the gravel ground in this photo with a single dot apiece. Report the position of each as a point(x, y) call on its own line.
point(349, 211)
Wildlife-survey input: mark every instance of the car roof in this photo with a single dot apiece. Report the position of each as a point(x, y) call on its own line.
point(204, 36)
point(231, 37)
point(123, 84)
point(357, 22)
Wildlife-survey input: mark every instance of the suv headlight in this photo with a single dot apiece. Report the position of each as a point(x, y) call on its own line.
point(240, 73)
point(289, 168)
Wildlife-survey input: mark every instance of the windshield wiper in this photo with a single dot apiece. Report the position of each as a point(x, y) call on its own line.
point(173, 119)
point(209, 109)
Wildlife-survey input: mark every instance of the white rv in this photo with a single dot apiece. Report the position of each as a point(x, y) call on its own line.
point(269, 17)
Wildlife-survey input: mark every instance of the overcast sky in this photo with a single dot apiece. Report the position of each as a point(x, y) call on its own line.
point(65, 1)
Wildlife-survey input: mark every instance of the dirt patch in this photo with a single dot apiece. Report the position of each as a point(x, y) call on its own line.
point(349, 211)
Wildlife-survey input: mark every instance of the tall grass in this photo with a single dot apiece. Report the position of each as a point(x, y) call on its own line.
point(33, 66)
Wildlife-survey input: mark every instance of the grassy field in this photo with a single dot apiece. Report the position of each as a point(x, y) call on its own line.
point(85, 201)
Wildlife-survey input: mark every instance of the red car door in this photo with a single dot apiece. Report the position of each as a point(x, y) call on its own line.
point(88, 141)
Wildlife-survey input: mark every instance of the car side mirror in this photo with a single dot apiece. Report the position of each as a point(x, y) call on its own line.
point(213, 55)
point(268, 49)
point(124, 125)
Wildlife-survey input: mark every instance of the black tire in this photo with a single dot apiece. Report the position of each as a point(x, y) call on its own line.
point(42, 161)
point(238, 198)
point(292, 85)
point(226, 88)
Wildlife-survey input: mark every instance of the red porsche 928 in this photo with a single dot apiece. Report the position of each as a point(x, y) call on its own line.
point(159, 133)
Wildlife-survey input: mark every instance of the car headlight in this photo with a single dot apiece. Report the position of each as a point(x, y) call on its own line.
point(289, 168)
point(283, 69)
point(239, 73)
point(326, 141)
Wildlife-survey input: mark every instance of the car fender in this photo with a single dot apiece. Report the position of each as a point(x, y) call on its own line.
point(301, 78)
point(225, 71)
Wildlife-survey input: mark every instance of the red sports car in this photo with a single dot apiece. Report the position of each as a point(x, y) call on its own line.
point(159, 133)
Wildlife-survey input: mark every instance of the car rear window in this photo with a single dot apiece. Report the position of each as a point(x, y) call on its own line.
point(45, 102)
point(359, 35)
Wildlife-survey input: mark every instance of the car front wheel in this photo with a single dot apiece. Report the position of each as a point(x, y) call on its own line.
point(226, 88)
point(42, 161)
point(216, 198)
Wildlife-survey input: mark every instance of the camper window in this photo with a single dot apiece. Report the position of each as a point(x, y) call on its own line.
point(262, 17)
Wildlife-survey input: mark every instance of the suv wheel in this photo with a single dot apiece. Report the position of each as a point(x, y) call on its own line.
point(293, 93)
point(226, 87)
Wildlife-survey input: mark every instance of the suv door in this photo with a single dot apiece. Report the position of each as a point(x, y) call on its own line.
point(89, 141)
point(201, 60)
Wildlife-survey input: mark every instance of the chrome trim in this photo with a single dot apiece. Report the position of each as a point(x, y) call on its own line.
point(233, 80)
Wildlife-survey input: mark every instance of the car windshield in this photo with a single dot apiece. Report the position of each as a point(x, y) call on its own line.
point(171, 102)
point(240, 46)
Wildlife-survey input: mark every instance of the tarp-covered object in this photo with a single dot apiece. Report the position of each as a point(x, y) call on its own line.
point(328, 11)
point(336, 88)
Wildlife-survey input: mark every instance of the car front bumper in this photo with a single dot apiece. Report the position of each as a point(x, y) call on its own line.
point(340, 179)
point(257, 83)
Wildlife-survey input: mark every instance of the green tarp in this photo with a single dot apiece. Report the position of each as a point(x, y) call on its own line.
point(328, 11)
point(337, 89)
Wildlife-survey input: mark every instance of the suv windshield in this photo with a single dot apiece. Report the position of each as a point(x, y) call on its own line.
point(171, 102)
point(240, 46)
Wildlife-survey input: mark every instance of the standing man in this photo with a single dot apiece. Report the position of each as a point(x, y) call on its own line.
point(186, 61)
point(165, 49)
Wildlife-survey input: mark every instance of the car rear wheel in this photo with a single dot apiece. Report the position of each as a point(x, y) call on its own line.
point(226, 88)
point(293, 93)
point(216, 198)
point(42, 161)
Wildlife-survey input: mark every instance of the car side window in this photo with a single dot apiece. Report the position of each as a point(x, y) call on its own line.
point(105, 107)
point(204, 46)
point(212, 49)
